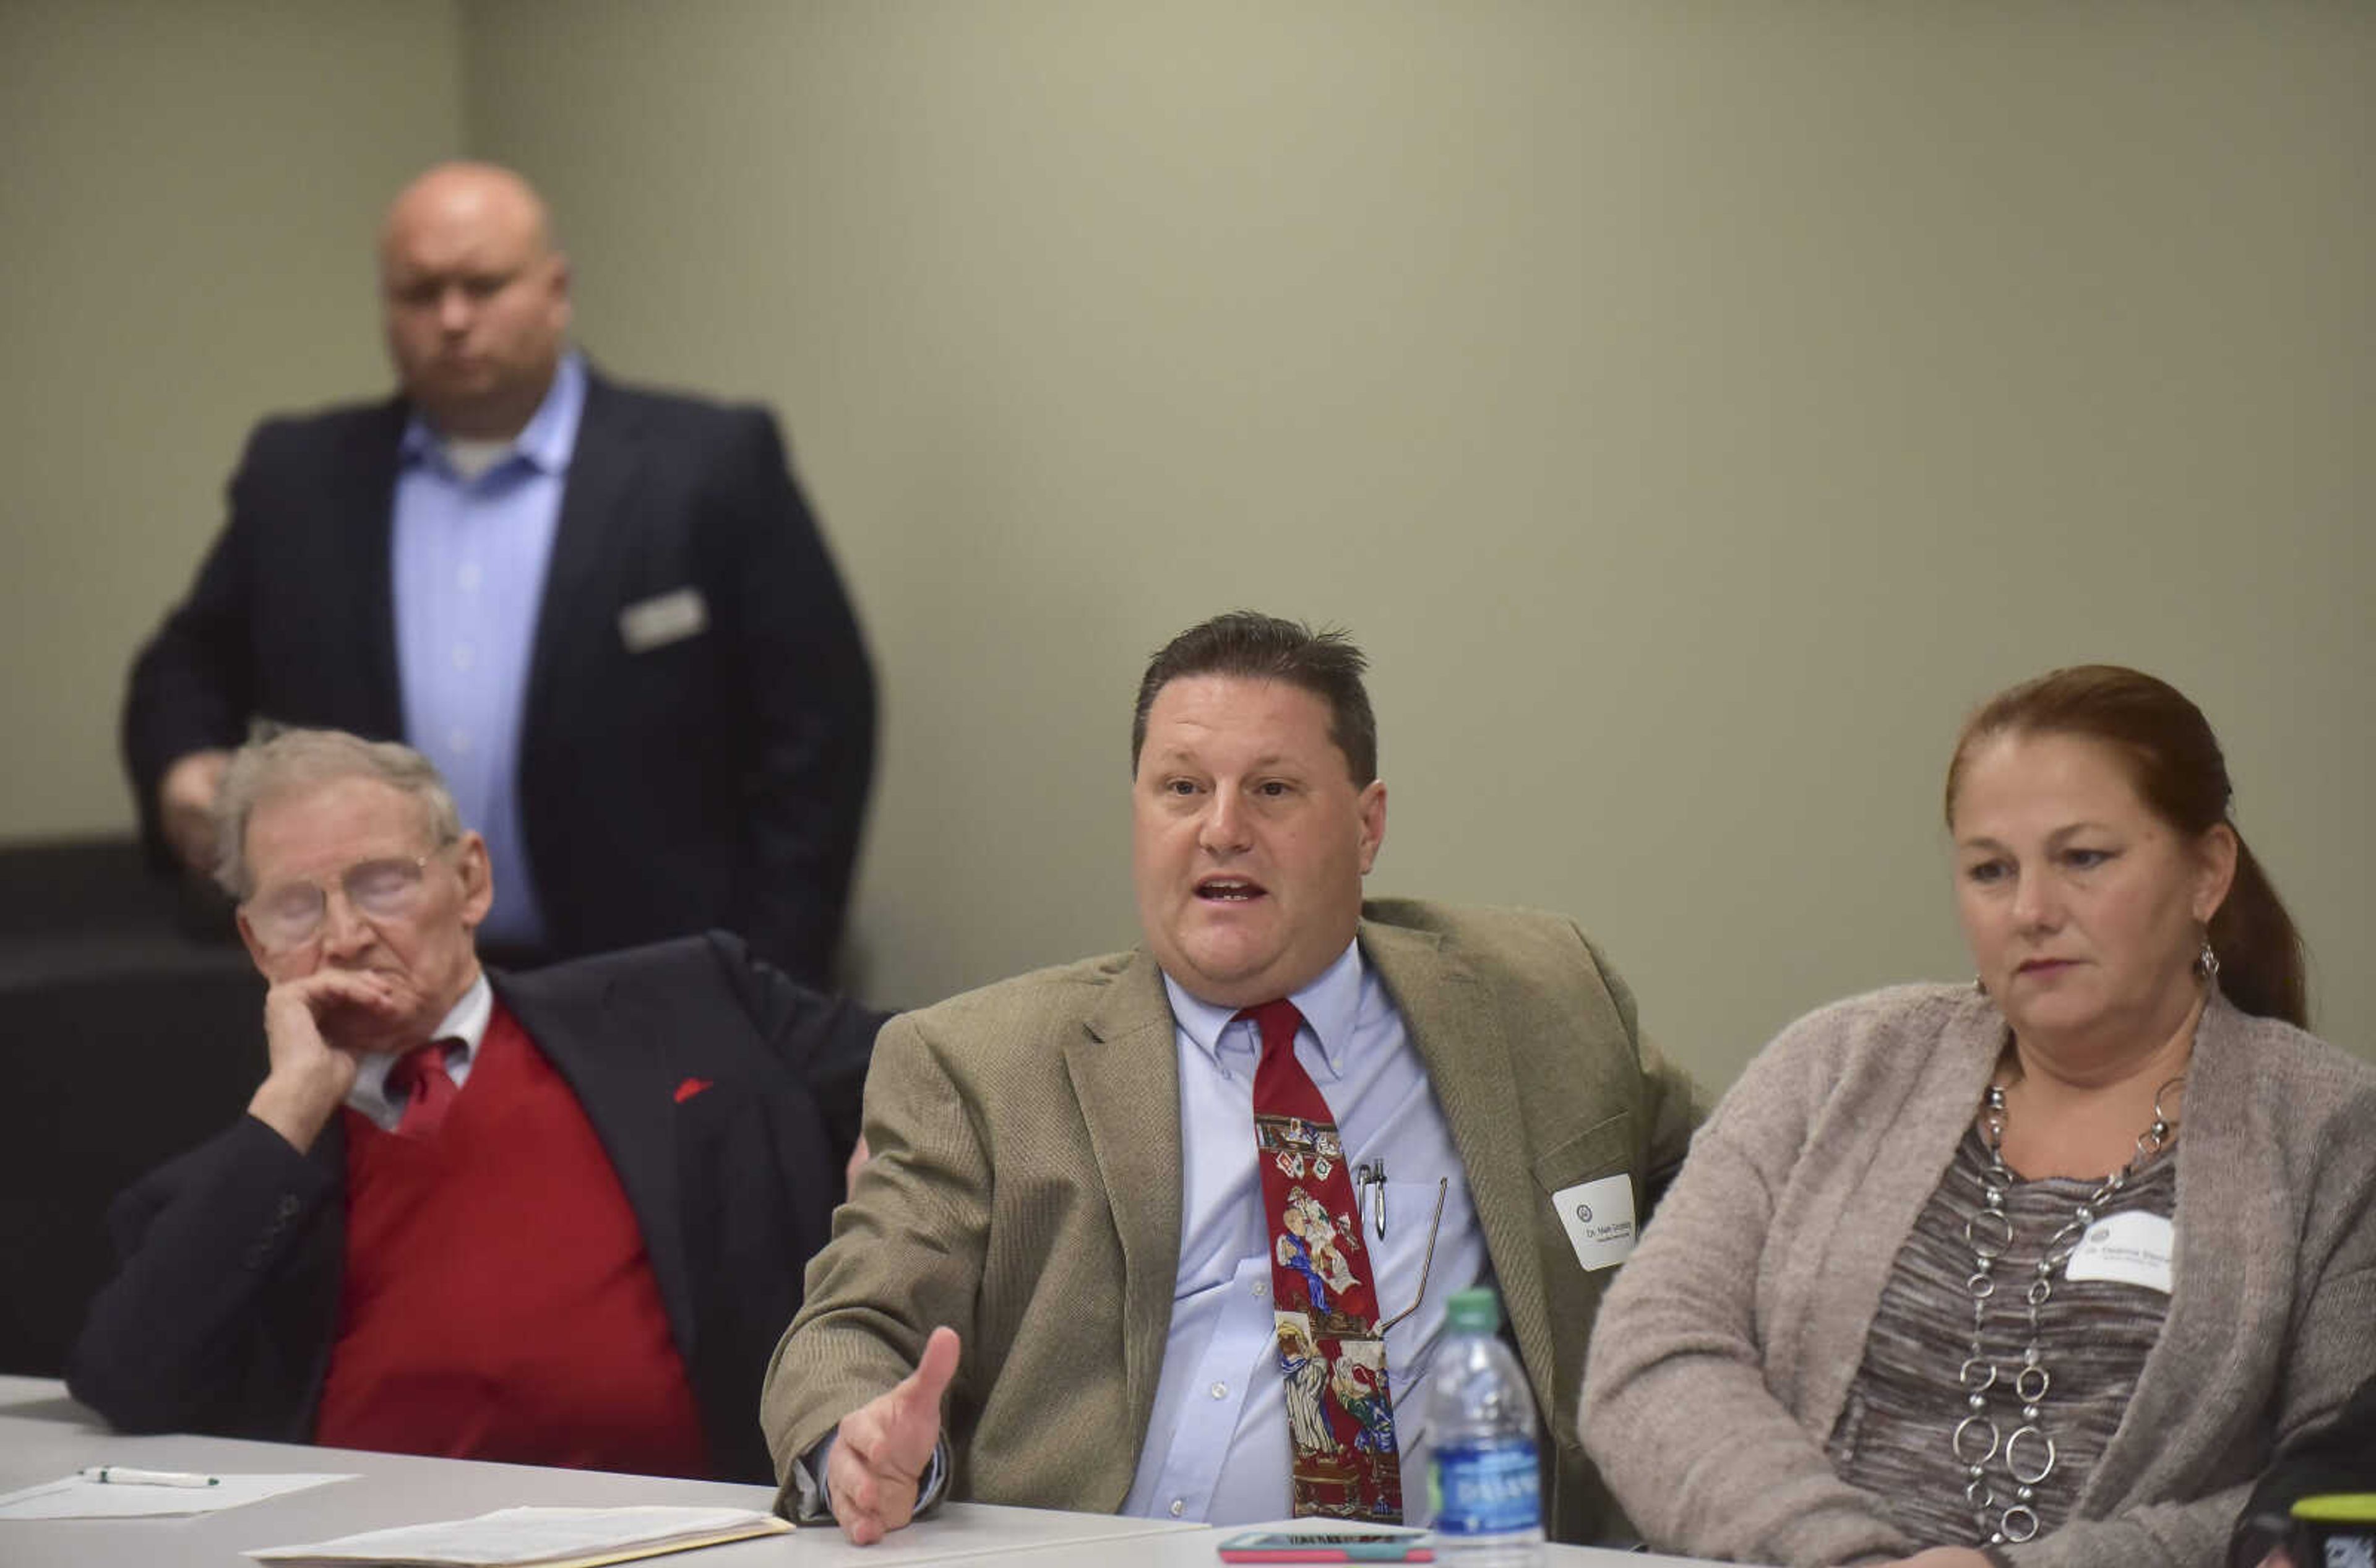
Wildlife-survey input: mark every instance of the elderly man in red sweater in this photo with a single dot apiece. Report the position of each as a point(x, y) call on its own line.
point(556, 1218)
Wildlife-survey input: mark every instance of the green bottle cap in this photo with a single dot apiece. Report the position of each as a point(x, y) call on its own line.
point(1474, 1311)
point(2337, 1508)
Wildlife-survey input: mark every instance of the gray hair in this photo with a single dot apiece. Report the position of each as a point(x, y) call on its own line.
point(281, 763)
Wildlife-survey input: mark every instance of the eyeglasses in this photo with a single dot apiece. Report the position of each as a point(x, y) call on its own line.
point(289, 914)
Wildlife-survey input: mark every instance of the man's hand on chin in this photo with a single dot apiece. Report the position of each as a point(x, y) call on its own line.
point(880, 1449)
point(310, 1075)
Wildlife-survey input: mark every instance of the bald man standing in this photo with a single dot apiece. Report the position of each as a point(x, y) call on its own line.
point(604, 612)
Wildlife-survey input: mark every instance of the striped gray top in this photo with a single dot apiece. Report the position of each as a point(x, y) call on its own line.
point(1892, 1438)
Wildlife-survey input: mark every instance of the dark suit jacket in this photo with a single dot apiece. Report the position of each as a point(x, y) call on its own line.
point(222, 1316)
point(2338, 1456)
point(715, 780)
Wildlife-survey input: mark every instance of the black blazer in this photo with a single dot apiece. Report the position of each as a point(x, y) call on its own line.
point(719, 780)
point(222, 1316)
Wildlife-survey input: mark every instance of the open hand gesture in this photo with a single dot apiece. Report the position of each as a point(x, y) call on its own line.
point(880, 1449)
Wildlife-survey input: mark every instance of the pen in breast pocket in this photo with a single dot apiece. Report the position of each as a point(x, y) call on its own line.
point(1367, 1176)
point(123, 1475)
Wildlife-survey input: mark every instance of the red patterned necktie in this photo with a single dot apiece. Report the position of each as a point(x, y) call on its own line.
point(1340, 1414)
point(420, 1077)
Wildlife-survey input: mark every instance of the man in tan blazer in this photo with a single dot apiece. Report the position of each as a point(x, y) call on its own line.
point(1059, 1237)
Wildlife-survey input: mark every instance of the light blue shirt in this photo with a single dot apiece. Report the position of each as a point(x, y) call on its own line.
point(468, 564)
point(465, 1024)
point(1216, 1442)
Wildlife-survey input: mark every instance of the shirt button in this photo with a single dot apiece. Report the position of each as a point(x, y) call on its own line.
point(467, 579)
point(1179, 1506)
point(460, 740)
point(1261, 1289)
point(1221, 1391)
point(462, 657)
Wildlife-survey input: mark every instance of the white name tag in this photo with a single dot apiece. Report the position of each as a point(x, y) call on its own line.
point(664, 619)
point(1599, 1219)
point(2127, 1249)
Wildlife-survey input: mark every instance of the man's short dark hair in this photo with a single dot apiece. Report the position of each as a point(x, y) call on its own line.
point(1264, 648)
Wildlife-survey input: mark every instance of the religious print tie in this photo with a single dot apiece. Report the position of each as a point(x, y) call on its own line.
point(1340, 1412)
point(421, 1076)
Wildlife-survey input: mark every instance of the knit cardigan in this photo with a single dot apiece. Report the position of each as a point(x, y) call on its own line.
point(1725, 1349)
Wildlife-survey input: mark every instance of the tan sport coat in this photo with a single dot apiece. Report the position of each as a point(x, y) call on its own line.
point(1025, 1189)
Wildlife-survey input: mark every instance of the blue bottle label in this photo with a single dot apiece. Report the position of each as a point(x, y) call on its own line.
point(1489, 1488)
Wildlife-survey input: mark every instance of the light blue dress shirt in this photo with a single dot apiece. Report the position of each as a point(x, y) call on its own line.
point(1216, 1442)
point(469, 558)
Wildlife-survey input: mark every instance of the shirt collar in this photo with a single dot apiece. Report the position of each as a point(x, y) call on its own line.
point(1329, 1004)
point(547, 441)
point(466, 1021)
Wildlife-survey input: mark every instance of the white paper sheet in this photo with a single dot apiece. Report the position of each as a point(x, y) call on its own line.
point(531, 1535)
point(75, 1498)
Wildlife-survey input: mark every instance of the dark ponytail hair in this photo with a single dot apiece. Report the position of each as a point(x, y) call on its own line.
point(2177, 770)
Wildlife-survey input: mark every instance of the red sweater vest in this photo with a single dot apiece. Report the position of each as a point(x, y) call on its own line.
point(498, 1303)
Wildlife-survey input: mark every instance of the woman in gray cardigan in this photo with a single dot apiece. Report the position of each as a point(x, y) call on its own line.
point(2036, 1271)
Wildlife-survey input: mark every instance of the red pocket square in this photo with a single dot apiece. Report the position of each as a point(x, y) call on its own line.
point(690, 1088)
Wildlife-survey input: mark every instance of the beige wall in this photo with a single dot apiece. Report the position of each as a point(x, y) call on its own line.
point(187, 192)
point(1693, 408)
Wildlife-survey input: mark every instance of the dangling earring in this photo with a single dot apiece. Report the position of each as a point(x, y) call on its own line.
point(2206, 964)
point(1980, 985)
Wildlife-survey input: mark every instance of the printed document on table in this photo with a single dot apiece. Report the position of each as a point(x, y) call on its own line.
point(75, 1498)
point(545, 1538)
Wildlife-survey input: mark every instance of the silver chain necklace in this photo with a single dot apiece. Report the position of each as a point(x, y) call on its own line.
point(2029, 1455)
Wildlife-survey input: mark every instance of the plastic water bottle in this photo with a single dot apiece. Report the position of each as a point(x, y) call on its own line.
point(1485, 1485)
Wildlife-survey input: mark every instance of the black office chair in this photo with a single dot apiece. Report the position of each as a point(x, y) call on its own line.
point(122, 1042)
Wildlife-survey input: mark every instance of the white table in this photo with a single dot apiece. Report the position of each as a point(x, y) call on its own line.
point(44, 1435)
